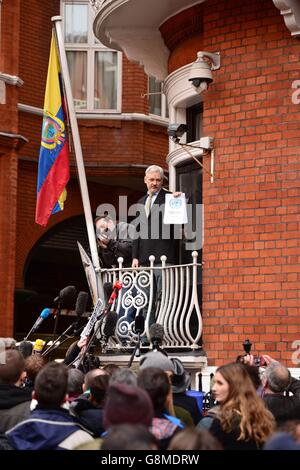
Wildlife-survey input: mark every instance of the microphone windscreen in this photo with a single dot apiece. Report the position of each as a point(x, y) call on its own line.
point(25, 348)
point(156, 331)
point(139, 323)
point(107, 287)
point(67, 294)
point(110, 324)
point(81, 303)
point(45, 313)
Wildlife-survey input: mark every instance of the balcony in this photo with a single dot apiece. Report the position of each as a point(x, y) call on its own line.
point(132, 26)
point(177, 310)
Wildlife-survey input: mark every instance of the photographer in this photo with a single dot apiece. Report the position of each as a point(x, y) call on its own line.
point(114, 240)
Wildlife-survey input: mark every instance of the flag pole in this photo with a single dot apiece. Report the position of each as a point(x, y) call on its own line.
point(78, 153)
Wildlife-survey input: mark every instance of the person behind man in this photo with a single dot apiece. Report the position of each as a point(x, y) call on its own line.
point(49, 426)
point(114, 241)
point(156, 238)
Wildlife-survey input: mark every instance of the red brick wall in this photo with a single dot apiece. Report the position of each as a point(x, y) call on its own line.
point(251, 251)
point(9, 43)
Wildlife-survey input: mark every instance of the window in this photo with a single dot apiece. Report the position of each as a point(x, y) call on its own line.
point(94, 69)
point(194, 116)
point(189, 181)
point(157, 101)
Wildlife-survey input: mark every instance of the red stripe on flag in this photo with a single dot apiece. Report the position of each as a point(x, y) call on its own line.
point(53, 186)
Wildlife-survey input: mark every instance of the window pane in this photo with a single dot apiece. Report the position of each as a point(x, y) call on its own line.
point(189, 181)
point(76, 23)
point(194, 118)
point(154, 100)
point(77, 62)
point(106, 73)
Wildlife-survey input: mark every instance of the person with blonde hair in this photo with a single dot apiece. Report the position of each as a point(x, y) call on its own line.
point(242, 421)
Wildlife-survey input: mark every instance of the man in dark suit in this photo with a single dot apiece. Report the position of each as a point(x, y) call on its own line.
point(155, 237)
point(158, 238)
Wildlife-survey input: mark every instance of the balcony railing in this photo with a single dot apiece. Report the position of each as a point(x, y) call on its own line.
point(177, 309)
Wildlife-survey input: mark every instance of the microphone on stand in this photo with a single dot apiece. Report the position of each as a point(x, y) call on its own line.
point(80, 307)
point(156, 333)
point(45, 314)
point(66, 295)
point(110, 325)
point(107, 287)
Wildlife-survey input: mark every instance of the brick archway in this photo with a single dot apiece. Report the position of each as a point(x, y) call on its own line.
point(53, 263)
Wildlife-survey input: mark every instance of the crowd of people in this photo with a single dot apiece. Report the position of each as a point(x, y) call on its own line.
point(47, 406)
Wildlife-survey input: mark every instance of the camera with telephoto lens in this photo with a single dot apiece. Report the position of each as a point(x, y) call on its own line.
point(257, 360)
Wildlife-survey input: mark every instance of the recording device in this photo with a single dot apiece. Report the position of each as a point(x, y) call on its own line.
point(66, 296)
point(80, 306)
point(139, 323)
point(38, 346)
point(110, 325)
point(257, 360)
point(81, 303)
point(107, 287)
point(25, 348)
point(156, 333)
point(45, 314)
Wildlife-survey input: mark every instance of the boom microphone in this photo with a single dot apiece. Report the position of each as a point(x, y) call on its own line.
point(156, 333)
point(45, 314)
point(107, 287)
point(81, 303)
point(110, 324)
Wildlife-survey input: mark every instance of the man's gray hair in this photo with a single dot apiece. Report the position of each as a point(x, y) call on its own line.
point(155, 168)
point(123, 376)
point(278, 377)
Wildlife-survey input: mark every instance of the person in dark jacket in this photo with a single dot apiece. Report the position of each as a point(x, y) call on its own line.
point(14, 400)
point(164, 424)
point(88, 408)
point(277, 384)
point(181, 381)
point(153, 236)
point(49, 426)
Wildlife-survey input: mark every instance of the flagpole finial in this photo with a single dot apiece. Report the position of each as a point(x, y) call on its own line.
point(56, 18)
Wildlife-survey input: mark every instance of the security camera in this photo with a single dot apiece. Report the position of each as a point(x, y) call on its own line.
point(200, 73)
point(176, 131)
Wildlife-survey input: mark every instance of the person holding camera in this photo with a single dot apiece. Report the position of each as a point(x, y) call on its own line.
point(114, 240)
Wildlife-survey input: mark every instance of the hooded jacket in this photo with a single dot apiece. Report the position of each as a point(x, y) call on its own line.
point(48, 430)
point(14, 405)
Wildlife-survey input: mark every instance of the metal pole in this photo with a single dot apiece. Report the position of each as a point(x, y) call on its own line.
point(78, 153)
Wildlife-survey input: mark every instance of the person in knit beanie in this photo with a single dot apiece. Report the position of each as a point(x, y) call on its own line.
point(127, 404)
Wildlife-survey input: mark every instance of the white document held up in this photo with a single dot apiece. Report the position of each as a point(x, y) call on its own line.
point(175, 210)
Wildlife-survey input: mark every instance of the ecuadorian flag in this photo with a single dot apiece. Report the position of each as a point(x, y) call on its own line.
point(53, 172)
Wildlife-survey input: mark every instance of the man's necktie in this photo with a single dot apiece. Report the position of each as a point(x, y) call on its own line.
point(148, 205)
